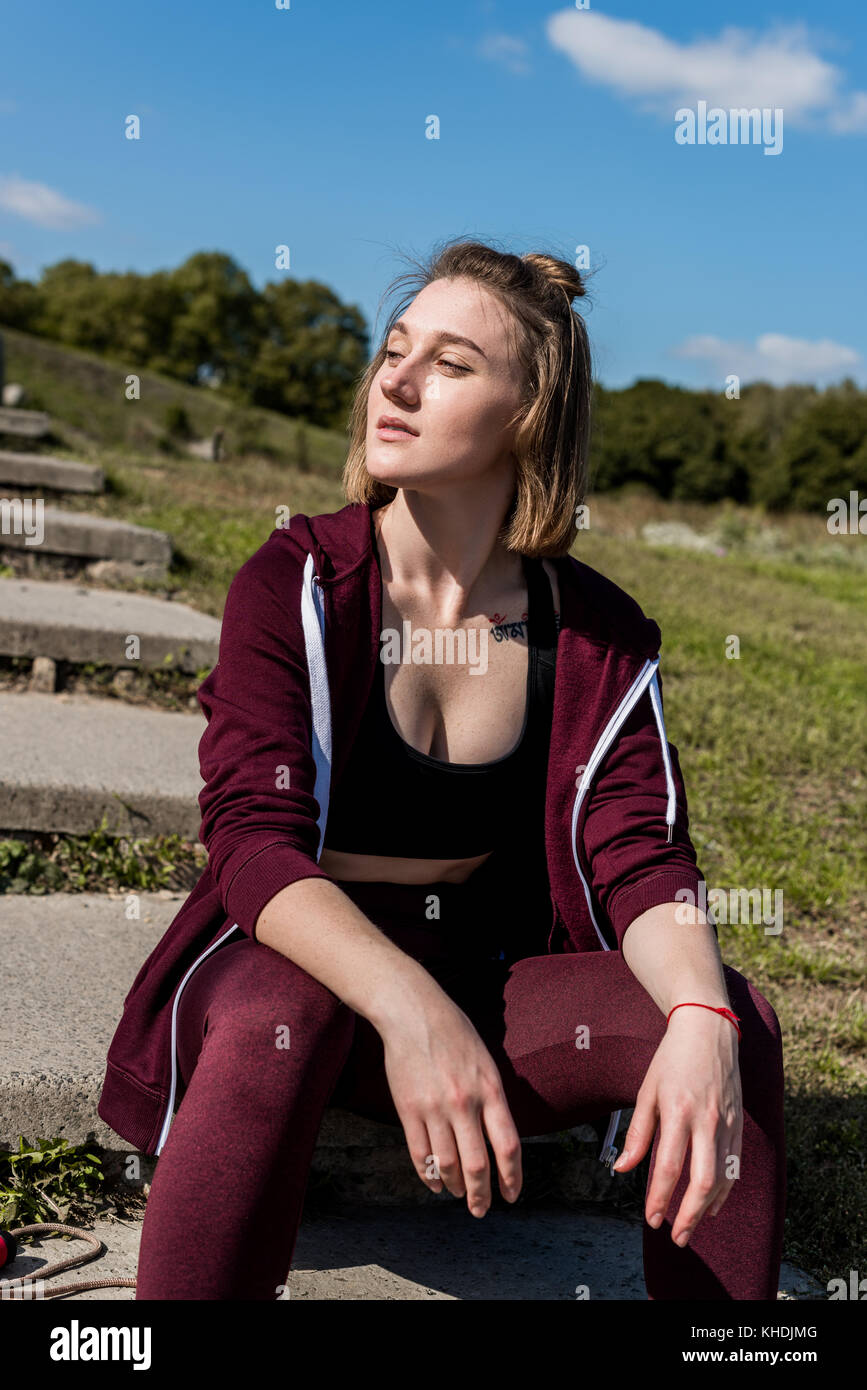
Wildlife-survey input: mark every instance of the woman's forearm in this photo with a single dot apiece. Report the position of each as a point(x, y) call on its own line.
point(319, 927)
point(675, 961)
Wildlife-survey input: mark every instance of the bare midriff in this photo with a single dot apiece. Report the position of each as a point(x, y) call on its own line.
point(389, 868)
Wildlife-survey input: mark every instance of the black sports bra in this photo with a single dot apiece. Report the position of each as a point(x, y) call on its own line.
point(394, 800)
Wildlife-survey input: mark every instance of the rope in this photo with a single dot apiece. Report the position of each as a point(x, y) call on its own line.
point(78, 1285)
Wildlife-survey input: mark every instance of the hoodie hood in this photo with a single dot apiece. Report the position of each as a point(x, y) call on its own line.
point(341, 542)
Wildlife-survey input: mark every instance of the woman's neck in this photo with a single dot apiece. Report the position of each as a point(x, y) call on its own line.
point(446, 555)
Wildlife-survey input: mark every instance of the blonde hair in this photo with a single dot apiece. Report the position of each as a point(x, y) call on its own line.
point(553, 420)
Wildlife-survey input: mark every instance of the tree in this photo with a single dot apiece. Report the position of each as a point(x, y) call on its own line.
point(72, 308)
point(663, 436)
point(213, 330)
point(311, 350)
point(20, 300)
point(824, 452)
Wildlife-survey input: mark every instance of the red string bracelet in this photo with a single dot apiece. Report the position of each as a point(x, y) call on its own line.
point(726, 1013)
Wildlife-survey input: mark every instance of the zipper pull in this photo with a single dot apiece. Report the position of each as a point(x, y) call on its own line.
point(610, 1156)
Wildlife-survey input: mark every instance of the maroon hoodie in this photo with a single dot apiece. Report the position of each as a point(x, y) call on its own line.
point(298, 650)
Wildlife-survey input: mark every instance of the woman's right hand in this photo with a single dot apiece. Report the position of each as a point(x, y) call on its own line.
point(448, 1094)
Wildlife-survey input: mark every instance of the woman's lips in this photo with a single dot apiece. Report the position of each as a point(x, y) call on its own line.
point(394, 432)
point(391, 426)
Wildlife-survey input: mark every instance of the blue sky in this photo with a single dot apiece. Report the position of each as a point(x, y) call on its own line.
point(307, 127)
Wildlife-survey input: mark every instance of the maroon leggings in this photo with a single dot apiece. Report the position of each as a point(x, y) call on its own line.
point(226, 1199)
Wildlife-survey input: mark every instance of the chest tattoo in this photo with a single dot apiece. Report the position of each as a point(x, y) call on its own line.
point(503, 629)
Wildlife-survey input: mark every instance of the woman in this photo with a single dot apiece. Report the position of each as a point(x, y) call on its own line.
point(472, 871)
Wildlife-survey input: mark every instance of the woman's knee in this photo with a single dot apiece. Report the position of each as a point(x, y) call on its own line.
point(255, 990)
point(761, 1045)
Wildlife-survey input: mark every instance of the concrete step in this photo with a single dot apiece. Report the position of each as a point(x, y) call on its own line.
point(57, 475)
point(437, 1253)
point(40, 529)
point(32, 424)
point(69, 622)
point(67, 759)
point(73, 958)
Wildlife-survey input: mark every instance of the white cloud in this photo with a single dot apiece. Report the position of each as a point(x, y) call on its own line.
point(773, 357)
point(503, 48)
point(38, 203)
point(737, 67)
point(850, 115)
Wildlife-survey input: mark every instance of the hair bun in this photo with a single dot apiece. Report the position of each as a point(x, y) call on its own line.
point(559, 274)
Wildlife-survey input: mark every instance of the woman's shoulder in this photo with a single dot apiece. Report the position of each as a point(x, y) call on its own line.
point(336, 542)
point(604, 611)
point(266, 588)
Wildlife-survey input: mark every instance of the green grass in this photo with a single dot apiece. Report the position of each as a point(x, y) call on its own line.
point(45, 862)
point(46, 1181)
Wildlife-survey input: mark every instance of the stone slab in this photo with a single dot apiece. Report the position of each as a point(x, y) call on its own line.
point(91, 537)
point(32, 424)
point(73, 958)
point(73, 622)
point(67, 759)
point(58, 475)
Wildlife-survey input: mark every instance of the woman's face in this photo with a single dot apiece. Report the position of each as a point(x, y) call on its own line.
point(457, 396)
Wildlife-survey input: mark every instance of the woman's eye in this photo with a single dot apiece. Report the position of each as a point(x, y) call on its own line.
point(455, 366)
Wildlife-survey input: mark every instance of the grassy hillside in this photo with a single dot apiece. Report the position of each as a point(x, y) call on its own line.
point(86, 396)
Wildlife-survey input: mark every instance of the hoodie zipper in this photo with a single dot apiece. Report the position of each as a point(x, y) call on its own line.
point(174, 1082)
point(313, 622)
point(645, 676)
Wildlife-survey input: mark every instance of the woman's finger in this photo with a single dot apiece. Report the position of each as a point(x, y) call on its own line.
point(475, 1165)
point(444, 1154)
point(704, 1179)
point(642, 1127)
point(506, 1143)
point(420, 1151)
point(670, 1153)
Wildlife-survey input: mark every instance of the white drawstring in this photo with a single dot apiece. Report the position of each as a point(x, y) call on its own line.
point(313, 621)
point(656, 701)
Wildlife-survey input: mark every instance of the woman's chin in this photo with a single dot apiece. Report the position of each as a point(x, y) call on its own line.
point(388, 471)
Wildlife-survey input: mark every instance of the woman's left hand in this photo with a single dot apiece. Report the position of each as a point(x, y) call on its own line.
point(692, 1090)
